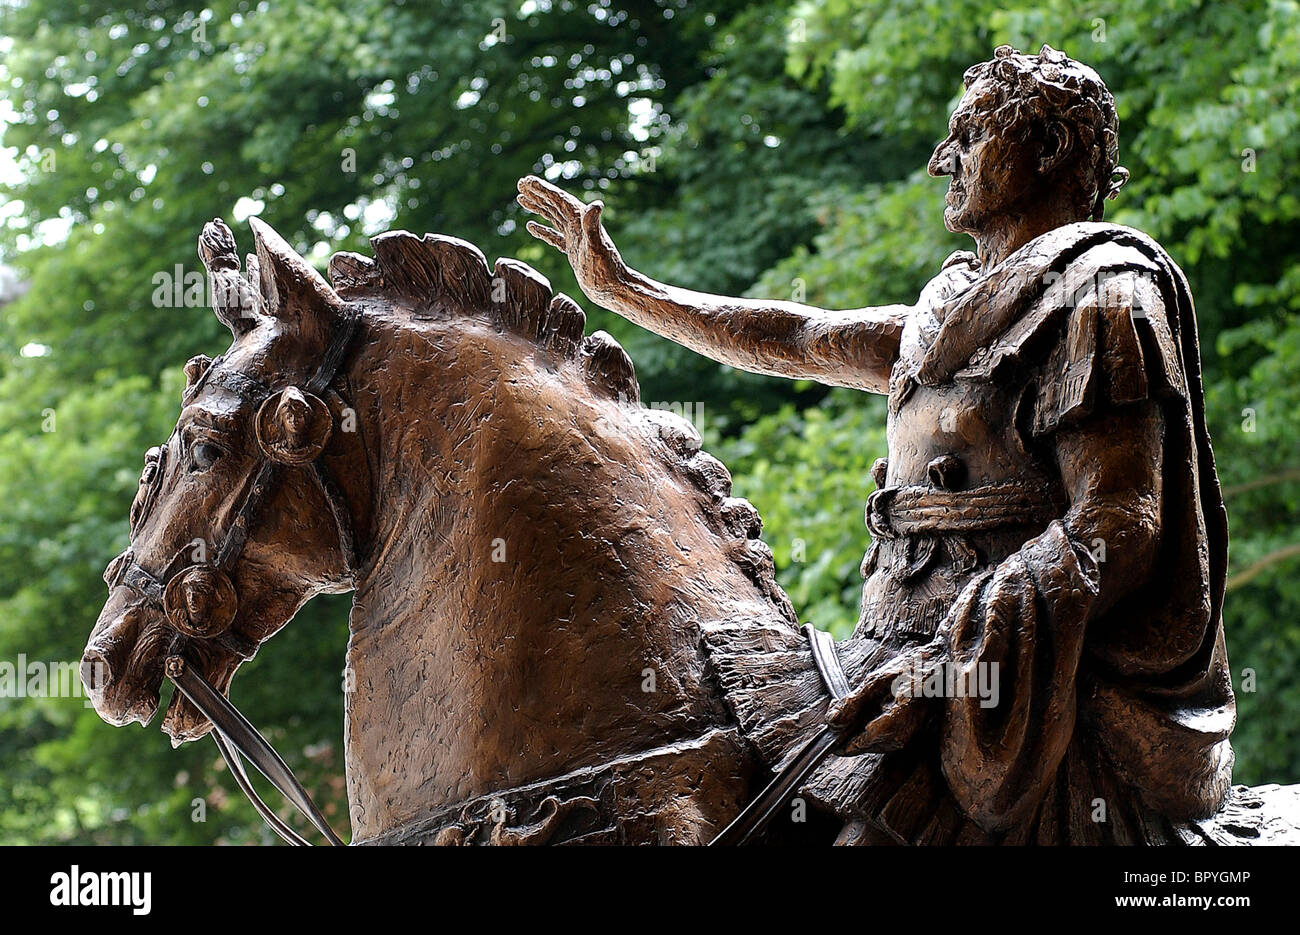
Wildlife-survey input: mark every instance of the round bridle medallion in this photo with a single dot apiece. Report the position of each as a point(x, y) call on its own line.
point(200, 601)
point(293, 426)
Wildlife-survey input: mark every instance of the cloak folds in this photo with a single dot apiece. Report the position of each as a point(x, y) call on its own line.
point(1114, 711)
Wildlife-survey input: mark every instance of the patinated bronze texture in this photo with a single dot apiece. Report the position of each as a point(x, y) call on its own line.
point(535, 551)
point(566, 630)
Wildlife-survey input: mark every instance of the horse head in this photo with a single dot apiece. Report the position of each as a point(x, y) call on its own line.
point(234, 525)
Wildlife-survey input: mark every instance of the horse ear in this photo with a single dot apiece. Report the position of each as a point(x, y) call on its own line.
point(195, 367)
point(235, 300)
point(293, 426)
point(291, 287)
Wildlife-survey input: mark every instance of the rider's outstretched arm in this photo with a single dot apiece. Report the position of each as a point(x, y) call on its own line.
point(854, 348)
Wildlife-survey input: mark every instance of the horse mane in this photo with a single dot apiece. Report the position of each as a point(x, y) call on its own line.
point(441, 276)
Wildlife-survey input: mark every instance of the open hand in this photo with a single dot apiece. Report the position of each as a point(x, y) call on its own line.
point(577, 232)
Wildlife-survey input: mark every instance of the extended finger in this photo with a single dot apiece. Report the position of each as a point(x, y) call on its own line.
point(536, 206)
point(591, 221)
point(560, 201)
point(548, 234)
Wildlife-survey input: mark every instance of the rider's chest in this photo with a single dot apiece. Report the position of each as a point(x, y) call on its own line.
point(971, 430)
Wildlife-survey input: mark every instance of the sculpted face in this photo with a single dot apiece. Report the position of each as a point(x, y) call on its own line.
point(992, 175)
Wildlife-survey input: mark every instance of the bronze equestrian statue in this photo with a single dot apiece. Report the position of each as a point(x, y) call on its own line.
point(564, 627)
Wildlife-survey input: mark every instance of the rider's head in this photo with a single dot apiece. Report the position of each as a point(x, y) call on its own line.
point(1030, 130)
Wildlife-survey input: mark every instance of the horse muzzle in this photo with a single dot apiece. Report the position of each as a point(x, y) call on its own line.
point(121, 666)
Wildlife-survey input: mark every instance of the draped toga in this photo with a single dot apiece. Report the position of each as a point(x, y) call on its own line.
point(1049, 547)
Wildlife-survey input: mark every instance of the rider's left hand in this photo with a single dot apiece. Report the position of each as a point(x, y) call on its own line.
point(886, 709)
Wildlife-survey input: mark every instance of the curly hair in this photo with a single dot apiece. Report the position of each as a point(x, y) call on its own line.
point(1035, 89)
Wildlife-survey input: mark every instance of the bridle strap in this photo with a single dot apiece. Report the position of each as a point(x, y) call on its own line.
point(236, 766)
point(759, 813)
point(342, 518)
point(232, 544)
point(232, 730)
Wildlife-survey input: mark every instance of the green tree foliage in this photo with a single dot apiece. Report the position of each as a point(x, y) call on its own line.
point(773, 148)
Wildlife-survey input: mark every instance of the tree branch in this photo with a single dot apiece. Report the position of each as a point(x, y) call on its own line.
point(1257, 566)
point(1267, 480)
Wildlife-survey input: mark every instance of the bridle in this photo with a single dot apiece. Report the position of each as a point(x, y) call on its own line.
point(164, 591)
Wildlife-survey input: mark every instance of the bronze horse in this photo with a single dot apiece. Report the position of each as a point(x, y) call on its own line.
point(536, 555)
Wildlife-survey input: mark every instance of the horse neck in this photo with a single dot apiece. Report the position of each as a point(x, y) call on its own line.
point(541, 562)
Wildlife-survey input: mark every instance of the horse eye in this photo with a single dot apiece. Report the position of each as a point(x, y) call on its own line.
point(204, 455)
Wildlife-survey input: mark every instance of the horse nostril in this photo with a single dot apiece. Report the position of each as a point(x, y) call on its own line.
point(95, 670)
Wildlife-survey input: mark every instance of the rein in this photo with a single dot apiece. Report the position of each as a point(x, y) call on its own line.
point(234, 735)
point(758, 814)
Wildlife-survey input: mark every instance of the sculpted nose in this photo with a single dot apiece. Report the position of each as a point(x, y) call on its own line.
point(942, 160)
point(96, 673)
point(108, 651)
